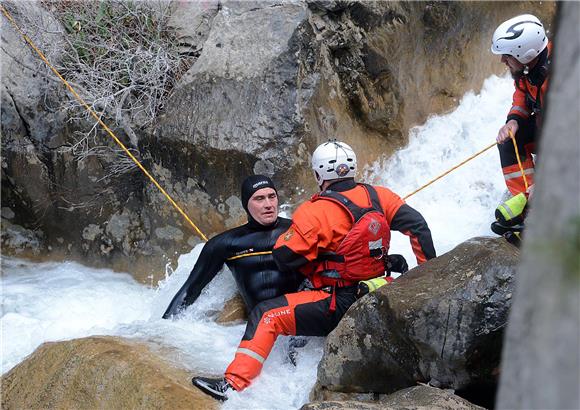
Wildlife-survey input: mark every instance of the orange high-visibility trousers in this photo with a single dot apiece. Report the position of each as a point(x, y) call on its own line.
point(509, 163)
point(303, 313)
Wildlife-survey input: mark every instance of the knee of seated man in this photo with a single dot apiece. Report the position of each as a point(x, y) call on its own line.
point(267, 305)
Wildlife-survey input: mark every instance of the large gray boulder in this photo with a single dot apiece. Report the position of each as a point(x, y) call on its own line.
point(29, 120)
point(442, 323)
point(541, 359)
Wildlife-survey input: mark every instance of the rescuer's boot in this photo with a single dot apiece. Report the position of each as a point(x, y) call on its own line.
point(216, 388)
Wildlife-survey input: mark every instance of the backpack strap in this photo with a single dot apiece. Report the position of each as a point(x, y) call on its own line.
point(374, 197)
point(355, 211)
point(538, 80)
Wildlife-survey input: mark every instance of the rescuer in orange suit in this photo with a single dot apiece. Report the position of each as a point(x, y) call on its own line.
point(524, 48)
point(338, 238)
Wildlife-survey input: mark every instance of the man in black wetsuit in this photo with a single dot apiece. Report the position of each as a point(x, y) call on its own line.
point(246, 250)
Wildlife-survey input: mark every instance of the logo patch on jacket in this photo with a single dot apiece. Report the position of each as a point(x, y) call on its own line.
point(289, 234)
point(374, 227)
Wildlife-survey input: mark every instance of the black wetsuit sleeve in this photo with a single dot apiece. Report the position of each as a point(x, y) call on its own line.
point(288, 261)
point(410, 222)
point(209, 263)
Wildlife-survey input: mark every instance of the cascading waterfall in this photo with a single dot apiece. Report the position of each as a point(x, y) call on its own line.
point(57, 301)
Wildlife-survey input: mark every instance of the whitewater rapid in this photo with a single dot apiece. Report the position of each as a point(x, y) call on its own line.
point(58, 301)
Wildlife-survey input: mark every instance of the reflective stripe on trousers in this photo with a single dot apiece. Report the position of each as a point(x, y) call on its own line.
point(514, 179)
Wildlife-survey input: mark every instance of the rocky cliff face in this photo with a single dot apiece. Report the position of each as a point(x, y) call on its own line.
point(268, 82)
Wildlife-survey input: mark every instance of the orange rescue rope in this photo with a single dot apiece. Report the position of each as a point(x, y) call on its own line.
point(519, 160)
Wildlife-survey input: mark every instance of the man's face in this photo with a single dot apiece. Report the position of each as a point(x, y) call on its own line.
point(263, 206)
point(516, 68)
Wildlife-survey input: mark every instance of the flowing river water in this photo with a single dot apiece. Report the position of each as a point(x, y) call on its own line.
point(58, 301)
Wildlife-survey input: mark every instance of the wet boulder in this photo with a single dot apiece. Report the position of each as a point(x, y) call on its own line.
point(421, 397)
point(442, 322)
point(234, 311)
point(413, 398)
point(99, 372)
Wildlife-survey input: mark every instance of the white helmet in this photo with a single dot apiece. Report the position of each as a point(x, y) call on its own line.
point(522, 37)
point(333, 160)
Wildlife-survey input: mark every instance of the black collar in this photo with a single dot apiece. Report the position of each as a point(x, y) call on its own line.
point(256, 226)
point(537, 75)
point(342, 185)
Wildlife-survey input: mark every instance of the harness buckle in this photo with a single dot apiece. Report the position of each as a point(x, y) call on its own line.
point(378, 253)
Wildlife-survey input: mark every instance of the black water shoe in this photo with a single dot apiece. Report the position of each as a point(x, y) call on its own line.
point(501, 229)
point(216, 388)
point(515, 238)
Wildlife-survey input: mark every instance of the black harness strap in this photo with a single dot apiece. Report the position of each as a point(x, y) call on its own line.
point(355, 211)
point(538, 79)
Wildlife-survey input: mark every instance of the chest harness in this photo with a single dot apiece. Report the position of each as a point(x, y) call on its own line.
point(361, 254)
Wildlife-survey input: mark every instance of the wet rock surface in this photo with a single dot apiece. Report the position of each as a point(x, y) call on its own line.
point(442, 322)
point(99, 372)
point(234, 311)
point(412, 398)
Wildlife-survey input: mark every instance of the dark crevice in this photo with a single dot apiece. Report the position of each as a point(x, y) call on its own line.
point(24, 122)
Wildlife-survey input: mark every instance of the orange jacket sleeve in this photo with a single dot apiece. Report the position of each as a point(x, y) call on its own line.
point(299, 244)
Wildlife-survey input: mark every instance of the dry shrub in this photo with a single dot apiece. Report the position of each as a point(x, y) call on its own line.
point(123, 56)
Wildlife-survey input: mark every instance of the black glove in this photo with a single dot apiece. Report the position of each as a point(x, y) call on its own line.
point(397, 263)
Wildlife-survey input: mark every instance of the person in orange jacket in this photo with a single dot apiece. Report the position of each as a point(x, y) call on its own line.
point(524, 48)
point(338, 238)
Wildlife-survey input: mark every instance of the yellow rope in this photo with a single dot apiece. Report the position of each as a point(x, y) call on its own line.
point(452, 169)
point(519, 160)
point(84, 104)
point(249, 254)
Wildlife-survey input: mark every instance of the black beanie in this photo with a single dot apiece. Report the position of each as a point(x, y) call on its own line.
point(252, 184)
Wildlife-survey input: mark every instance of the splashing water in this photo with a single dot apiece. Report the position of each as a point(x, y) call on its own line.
point(58, 301)
point(461, 204)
